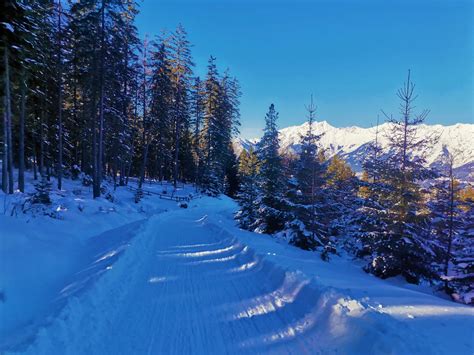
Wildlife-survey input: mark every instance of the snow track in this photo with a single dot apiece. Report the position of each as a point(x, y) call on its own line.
point(188, 285)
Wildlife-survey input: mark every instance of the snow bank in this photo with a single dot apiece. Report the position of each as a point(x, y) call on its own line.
point(44, 260)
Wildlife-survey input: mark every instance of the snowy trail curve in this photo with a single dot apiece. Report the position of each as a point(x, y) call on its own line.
point(187, 285)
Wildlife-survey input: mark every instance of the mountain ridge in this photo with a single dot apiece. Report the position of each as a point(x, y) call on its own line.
point(352, 142)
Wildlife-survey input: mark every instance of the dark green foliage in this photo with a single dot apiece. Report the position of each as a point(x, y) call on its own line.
point(271, 177)
point(248, 195)
point(220, 122)
point(43, 189)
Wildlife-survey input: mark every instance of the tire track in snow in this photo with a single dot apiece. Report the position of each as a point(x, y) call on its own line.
point(188, 286)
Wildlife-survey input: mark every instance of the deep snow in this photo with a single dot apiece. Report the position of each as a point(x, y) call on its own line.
point(172, 280)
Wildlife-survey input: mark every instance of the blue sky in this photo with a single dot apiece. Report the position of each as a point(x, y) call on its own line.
point(351, 55)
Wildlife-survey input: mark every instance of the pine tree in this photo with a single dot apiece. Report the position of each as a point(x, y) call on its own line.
point(307, 227)
point(249, 168)
point(197, 111)
point(220, 123)
point(231, 172)
point(461, 273)
point(371, 214)
point(271, 212)
point(406, 250)
point(341, 202)
point(181, 72)
point(43, 189)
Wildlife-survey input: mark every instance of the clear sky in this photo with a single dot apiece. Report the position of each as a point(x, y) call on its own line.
point(352, 55)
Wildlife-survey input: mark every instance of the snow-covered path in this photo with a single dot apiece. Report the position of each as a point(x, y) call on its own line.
point(187, 284)
point(189, 288)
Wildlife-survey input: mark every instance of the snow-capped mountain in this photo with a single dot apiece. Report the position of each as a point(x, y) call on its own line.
point(352, 142)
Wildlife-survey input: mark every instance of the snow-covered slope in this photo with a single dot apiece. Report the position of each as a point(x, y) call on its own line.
point(351, 142)
point(190, 281)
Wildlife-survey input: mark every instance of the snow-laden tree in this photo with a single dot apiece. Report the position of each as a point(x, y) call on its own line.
point(248, 195)
point(460, 276)
point(220, 124)
point(406, 248)
point(306, 226)
point(197, 117)
point(271, 214)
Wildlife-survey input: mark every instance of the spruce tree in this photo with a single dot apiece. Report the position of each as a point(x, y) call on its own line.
point(445, 212)
point(406, 250)
point(197, 111)
point(305, 226)
point(272, 207)
point(249, 167)
point(181, 72)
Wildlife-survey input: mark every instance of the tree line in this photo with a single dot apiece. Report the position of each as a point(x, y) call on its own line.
point(400, 216)
point(84, 97)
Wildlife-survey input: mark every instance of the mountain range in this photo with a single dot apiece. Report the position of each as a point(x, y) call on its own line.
point(351, 143)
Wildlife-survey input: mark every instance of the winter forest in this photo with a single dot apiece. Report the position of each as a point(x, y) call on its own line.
point(102, 127)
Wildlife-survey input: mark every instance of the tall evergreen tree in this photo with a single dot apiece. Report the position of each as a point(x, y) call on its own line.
point(181, 73)
point(197, 111)
point(306, 195)
point(406, 250)
point(272, 211)
point(446, 214)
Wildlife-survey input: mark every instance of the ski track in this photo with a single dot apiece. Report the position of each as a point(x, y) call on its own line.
point(186, 285)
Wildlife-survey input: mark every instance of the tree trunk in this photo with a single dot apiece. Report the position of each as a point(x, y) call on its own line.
point(8, 110)
point(60, 104)
point(144, 162)
point(35, 162)
point(21, 143)
point(5, 149)
point(176, 153)
point(100, 153)
point(41, 162)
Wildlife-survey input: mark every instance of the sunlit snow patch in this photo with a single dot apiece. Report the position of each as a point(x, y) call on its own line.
point(285, 294)
point(158, 279)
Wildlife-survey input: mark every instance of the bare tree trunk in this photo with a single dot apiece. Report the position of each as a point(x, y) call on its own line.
point(35, 162)
point(176, 153)
point(8, 110)
point(100, 152)
point(41, 162)
point(60, 104)
point(95, 184)
point(145, 137)
point(5, 149)
point(21, 158)
point(144, 162)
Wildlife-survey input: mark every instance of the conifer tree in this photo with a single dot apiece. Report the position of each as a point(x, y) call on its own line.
point(446, 214)
point(249, 167)
point(181, 72)
point(218, 126)
point(197, 111)
point(160, 110)
point(406, 250)
point(271, 212)
point(461, 271)
point(307, 224)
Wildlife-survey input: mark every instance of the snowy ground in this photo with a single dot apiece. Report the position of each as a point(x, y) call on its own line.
point(159, 279)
